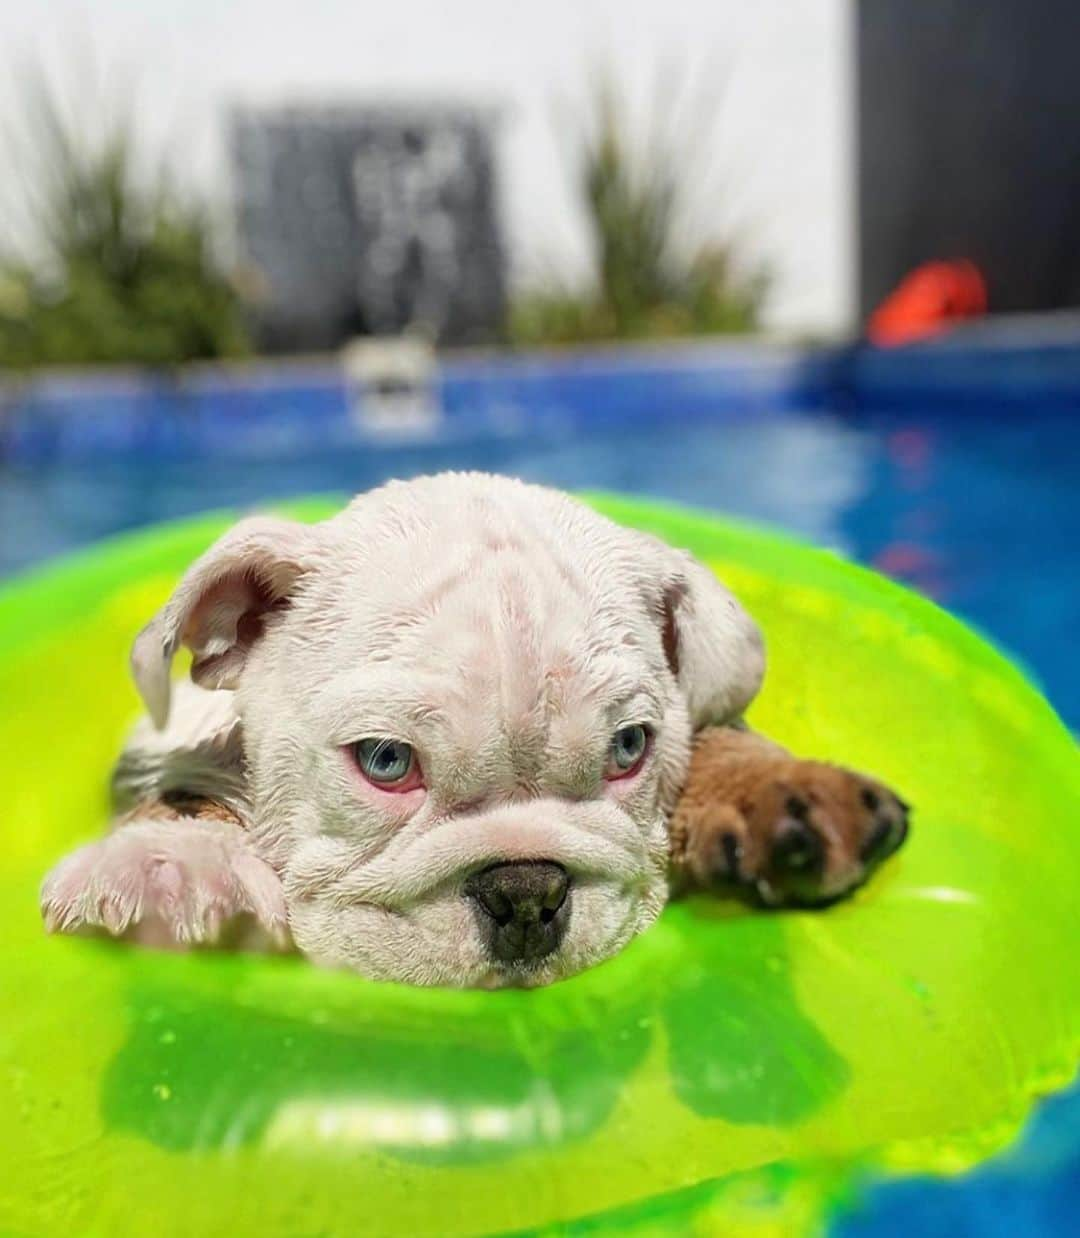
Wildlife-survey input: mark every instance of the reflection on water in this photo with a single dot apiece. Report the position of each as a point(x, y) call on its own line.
point(740, 1049)
point(405, 1078)
point(453, 1078)
point(377, 1123)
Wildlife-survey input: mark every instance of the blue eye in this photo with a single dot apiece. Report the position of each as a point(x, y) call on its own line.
point(628, 746)
point(384, 760)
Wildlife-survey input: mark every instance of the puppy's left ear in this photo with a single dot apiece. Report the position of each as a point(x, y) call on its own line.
point(714, 649)
point(220, 607)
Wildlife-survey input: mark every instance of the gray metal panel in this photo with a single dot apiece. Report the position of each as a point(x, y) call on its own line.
point(363, 220)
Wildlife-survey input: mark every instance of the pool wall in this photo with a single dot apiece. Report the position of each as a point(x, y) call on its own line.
point(265, 407)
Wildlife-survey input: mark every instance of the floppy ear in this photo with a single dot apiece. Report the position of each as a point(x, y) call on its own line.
point(218, 609)
point(714, 649)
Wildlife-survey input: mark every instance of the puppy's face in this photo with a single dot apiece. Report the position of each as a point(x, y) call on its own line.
point(466, 718)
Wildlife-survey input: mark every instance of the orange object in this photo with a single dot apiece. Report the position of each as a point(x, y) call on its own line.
point(927, 301)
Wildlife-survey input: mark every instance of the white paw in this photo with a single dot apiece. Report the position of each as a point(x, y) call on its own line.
point(182, 881)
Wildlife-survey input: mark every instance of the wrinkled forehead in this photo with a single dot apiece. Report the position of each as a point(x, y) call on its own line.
point(460, 628)
point(486, 582)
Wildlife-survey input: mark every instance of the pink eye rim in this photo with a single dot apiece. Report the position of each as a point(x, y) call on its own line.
point(367, 758)
point(644, 738)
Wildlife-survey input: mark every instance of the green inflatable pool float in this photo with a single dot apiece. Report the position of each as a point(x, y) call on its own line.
point(729, 1072)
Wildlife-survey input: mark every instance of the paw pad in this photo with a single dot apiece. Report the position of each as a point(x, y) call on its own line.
point(798, 848)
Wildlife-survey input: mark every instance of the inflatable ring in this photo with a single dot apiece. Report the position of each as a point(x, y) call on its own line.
point(729, 1071)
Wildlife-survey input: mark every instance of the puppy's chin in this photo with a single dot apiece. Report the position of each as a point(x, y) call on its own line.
point(442, 941)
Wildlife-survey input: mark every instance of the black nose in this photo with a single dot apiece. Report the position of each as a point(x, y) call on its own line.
point(523, 906)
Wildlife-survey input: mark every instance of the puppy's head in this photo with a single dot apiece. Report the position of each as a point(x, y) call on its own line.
point(467, 706)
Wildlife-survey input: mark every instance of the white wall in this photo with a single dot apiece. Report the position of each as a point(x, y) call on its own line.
point(781, 149)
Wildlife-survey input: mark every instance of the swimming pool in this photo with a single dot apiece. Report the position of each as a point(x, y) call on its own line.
point(965, 485)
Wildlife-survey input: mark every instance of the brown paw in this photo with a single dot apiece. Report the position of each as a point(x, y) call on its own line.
point(814, 832)
point(784, 832)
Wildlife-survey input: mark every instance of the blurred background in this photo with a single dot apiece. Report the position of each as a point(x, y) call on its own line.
point(814, 263)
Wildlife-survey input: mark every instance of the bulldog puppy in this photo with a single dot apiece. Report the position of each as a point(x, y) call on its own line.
point(439, 738)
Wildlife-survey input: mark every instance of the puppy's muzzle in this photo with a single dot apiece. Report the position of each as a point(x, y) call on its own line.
point(523, 908)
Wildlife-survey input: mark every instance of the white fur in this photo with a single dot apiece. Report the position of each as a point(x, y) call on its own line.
point(505, 631)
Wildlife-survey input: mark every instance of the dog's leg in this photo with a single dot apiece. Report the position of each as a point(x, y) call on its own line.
point(752, 817)
point(172, 872)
